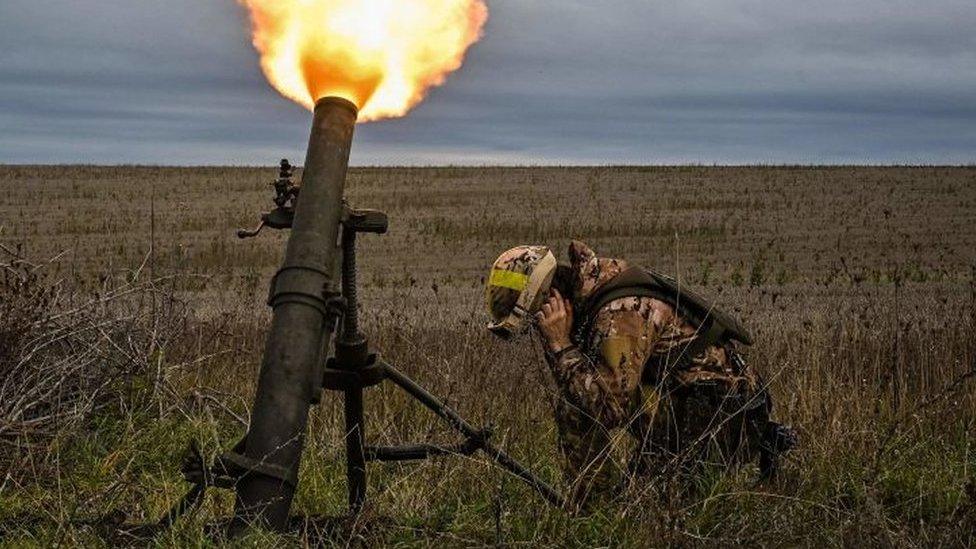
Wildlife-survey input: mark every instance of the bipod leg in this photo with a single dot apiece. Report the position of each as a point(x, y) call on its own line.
point(513, 466)
point(355, 449)
point(474, 435)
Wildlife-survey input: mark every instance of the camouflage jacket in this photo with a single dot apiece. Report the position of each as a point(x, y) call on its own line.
point(602, 376)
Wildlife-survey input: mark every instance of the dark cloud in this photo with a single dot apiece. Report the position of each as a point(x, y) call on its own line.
point(622, 81)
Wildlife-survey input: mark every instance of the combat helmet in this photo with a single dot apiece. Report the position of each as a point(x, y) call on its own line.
point(517, 286)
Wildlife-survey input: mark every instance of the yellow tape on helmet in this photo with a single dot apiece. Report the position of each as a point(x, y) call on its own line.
point(508, 279)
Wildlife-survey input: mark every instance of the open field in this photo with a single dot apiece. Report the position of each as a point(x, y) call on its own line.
point(859, 283)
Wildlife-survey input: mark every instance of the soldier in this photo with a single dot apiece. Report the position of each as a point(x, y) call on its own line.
point(629, 349)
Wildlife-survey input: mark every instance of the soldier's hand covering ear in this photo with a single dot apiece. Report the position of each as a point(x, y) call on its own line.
point(556, 322)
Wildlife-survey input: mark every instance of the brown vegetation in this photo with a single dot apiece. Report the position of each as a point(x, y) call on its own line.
point(859, 283)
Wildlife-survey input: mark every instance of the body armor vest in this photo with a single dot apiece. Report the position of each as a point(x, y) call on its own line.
point(712, 325)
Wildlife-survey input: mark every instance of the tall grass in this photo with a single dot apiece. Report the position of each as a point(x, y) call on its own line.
point(859, 284)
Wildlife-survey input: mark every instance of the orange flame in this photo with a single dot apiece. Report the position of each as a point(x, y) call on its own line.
point(383, 55)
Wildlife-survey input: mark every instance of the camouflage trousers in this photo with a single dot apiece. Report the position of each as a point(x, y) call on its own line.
point(676, 433)
point(589, 469)
point(700, 424)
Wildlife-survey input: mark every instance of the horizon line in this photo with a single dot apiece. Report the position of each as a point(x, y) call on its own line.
point(507, 166)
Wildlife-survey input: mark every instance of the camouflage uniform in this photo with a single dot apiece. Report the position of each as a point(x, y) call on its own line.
point(675, 418)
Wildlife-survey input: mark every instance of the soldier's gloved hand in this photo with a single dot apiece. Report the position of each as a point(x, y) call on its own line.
point(556, 322)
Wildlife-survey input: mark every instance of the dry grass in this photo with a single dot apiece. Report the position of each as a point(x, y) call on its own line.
point(860, 284)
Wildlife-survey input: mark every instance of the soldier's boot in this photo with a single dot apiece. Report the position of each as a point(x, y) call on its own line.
point(776, 441)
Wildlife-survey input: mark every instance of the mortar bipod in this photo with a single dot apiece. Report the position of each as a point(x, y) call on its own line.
point(354, 368)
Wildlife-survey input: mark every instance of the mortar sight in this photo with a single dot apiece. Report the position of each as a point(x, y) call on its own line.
point(286, 193)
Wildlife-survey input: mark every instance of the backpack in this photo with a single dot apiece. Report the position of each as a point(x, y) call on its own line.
point(714, 327)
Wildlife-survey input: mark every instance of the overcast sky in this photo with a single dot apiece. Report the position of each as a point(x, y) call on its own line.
point(552, 81)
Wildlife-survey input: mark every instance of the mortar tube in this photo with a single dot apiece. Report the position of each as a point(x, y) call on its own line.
point(296, 345)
